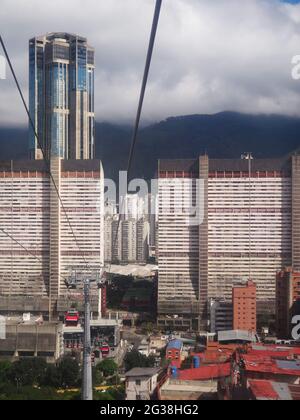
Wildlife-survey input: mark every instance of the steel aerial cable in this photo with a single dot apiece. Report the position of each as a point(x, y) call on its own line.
point(32, 254)
point(140, 106)
point(20, 244)
point(48, 168)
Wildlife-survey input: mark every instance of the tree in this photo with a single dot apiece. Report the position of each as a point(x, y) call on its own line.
point(69, 372)
point(107, 367)
point(28, 372)
point(52, 377)
point(97, 376)
point(149, 328)
point(5, 368)
point(135, 359)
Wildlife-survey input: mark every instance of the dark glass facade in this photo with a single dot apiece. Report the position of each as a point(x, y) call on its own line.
point(61, 98)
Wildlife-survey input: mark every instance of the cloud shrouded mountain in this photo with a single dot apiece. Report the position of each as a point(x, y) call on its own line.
point(224, 135)
point(209, 56)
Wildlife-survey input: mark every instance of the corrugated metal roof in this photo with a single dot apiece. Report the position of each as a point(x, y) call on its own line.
point(288, 364)
point(237, 335)
point(205, 373)
point(269, 390)
point(269, 366)
point(263, 390)
point(282, 391)
point(175, 344)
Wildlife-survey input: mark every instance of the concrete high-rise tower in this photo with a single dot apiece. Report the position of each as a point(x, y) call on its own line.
point(61, 96)
point(200, 263)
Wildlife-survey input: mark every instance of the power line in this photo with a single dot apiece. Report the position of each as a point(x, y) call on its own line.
point(26, 249)
point(20, 244)
point(140, 105)
point(144, 82)
point(47, 164)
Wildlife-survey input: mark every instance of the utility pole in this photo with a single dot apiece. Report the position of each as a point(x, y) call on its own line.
point(72, 282)
point(87, 386)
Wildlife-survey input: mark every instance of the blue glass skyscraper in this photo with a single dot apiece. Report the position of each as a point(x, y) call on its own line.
point(61, 96)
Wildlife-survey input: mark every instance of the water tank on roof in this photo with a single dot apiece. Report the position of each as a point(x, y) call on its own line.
point(174, 372)
point(196, 362)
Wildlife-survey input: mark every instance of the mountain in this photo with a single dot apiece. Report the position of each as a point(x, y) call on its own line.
point(13, 143)
point(223, 135)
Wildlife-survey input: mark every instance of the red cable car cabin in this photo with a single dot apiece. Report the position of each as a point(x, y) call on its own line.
point(72, 318)
point(105, 350)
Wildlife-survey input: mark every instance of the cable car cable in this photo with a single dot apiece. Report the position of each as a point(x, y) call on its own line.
point(47, 164)
point(140, 107)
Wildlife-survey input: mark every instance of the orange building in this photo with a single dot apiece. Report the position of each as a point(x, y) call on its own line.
point(287, 301)
point(244, 307)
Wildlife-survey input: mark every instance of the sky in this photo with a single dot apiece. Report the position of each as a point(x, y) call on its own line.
point(210, 56)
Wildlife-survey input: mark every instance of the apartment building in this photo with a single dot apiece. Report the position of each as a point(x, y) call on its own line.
point(221, 315)
point(31, 212)
point(126, 242)
point(244, 231)
point(244, 307)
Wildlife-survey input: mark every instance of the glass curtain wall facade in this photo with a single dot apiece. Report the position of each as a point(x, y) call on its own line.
point(61, 97)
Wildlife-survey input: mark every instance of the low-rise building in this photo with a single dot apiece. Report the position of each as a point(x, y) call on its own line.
point(157, 344)
point(195, 383)
point(141, 383)
point(32, 339)
point(260, 390)
point(287, 371)
point(174, 352)
point(221, 315)
point(244, 307)
point(236, 337)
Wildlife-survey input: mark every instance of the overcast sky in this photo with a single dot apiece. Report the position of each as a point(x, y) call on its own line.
point(210, 56)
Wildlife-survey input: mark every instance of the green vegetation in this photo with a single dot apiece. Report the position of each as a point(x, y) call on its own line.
point(112, 394)
point(10, 392)
point(106, 373)
point(107, 367)
point(135, 359)
point(34, 379)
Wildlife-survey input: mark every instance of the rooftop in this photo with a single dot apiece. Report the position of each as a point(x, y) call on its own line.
point(226, 165)
point(142, 372)
point(205, 373)
point(175, 344)
point(236, 335)
point(270, 366)
point(135, 270)
point(268, 390)
point(51, 36)
point(39, 165)
point(273, 352)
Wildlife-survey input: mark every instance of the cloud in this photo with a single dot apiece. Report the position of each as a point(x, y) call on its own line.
point(210, 56)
